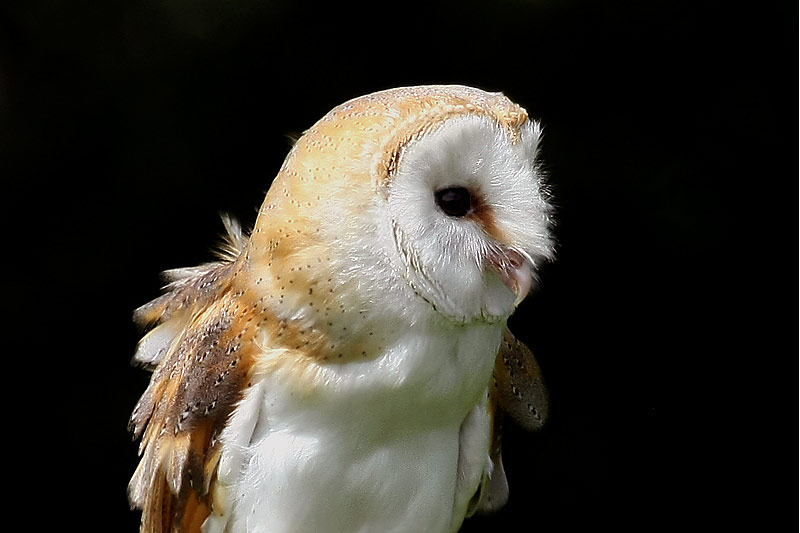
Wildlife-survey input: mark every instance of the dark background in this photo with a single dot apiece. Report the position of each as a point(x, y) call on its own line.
point(666, 328)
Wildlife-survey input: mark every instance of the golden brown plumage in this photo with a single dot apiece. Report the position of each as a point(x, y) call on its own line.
point(200, 375)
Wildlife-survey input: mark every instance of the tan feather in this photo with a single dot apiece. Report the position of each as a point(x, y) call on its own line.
point(187, 290)
point(199, 376)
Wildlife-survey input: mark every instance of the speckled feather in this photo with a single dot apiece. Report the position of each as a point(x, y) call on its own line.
point(306, 295)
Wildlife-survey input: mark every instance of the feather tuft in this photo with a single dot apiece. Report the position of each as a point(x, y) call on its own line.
point(233, 241)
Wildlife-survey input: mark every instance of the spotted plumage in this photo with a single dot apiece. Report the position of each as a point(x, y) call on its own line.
point(343, 367)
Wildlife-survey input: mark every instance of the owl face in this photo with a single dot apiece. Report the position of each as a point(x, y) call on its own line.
point(469, 217)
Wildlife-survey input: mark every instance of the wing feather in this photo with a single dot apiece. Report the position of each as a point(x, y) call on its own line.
point(520, 388)
point(519, 392)
point(187, 290)
point(202, 354)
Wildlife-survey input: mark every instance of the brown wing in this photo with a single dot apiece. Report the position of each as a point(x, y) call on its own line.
point(518, 384)
point(188, 290)
point(519, 392)
point(201, 368)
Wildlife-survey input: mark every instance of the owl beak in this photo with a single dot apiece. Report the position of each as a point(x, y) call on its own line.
point(515, 269)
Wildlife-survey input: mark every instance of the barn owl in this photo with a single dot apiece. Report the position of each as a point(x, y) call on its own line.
point(344, 366)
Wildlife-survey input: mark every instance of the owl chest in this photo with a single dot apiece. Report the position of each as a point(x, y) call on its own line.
point(328, 482)
point(369, 451)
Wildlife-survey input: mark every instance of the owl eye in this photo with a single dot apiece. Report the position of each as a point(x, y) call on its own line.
point(454, 201)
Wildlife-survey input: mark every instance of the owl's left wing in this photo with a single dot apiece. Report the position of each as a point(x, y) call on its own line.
point(518, 391)
point(202, 349)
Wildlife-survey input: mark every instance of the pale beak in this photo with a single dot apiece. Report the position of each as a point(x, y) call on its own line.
point(515, 269)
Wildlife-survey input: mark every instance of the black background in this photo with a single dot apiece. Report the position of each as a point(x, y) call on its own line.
point(666, 327)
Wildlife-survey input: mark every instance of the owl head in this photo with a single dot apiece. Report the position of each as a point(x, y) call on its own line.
point(429, 196)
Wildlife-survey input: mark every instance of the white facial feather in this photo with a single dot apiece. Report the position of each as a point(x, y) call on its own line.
point(444, 258)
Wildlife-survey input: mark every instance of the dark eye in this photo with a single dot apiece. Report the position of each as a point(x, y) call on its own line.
point(454, 201)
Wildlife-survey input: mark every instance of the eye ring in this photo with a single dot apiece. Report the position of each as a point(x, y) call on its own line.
point(454, 201)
